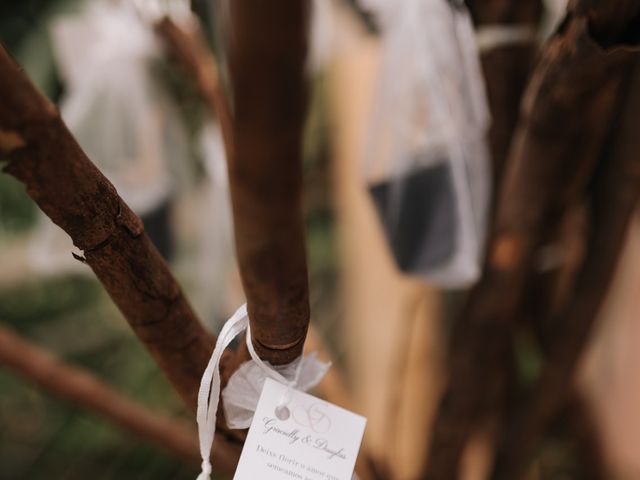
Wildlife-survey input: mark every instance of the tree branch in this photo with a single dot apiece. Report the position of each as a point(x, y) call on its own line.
point(191, 52)
point(264, 148)
point(506, 69)
point(614, 195)
point(194, 56)
point(71, 191)
point(86, 391)
point(567, 114)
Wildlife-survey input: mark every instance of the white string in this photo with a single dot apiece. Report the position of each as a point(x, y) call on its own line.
point(209, 393)
point(492, 37)
point(270, 372)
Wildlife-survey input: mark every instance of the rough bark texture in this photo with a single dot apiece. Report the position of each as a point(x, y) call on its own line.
point(87, 392)
point(69, 189)
point(267, 53)
point(570, 105)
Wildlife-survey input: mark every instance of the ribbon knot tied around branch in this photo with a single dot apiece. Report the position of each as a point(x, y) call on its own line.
point(240, 397)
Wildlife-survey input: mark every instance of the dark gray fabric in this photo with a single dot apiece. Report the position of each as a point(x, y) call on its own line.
point(418, 213)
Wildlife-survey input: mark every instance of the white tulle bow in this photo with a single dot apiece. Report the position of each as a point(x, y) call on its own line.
point(244, 388)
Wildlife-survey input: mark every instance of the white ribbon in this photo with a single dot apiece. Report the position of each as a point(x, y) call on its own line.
point(209, 393)
point(492, 37)
point(242, 393)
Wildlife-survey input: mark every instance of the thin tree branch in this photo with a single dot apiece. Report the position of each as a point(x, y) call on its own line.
point(570, 104)
point(506, 71)
point(506, 68)
point(86, 391)
point(69, 189)
point(78, 198)
point(195, 58)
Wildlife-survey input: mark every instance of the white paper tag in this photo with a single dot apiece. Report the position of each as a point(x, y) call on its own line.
point(297, 436)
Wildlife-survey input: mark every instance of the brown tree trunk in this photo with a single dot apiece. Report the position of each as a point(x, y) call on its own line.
point(571, 102)
point(613, 197)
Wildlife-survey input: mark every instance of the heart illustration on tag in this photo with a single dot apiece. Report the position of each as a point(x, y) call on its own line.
point(313, 417)
point(318, 441)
